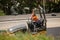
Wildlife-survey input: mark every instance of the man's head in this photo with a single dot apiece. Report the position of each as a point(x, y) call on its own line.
point(33, 14)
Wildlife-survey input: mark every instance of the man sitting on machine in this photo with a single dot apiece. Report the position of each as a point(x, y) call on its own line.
point(35, 19)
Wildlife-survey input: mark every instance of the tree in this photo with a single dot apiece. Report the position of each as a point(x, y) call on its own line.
point(6, 4)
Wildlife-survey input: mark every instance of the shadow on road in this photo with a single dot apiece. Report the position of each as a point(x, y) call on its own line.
point(53, 31)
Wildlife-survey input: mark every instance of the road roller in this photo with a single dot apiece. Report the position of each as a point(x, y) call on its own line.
point(33, 27)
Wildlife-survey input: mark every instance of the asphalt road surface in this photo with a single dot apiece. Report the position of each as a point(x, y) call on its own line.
point(53, 22)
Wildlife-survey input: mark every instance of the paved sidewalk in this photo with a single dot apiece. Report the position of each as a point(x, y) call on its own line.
point(23, 17)
point(51, 23)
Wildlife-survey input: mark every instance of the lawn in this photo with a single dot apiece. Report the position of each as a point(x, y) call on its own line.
point(1, 13)
point(24, 36)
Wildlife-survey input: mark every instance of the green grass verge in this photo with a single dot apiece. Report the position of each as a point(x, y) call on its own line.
point(24, 36)
point(29, 36)
point(2, 13)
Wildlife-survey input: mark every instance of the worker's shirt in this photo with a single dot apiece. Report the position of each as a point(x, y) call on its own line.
point(34, 18)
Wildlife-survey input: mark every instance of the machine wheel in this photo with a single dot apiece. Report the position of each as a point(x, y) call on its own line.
point(44, 25)
point(30, 27)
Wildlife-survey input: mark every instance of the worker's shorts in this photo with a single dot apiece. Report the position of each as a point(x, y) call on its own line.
point(38, 23)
